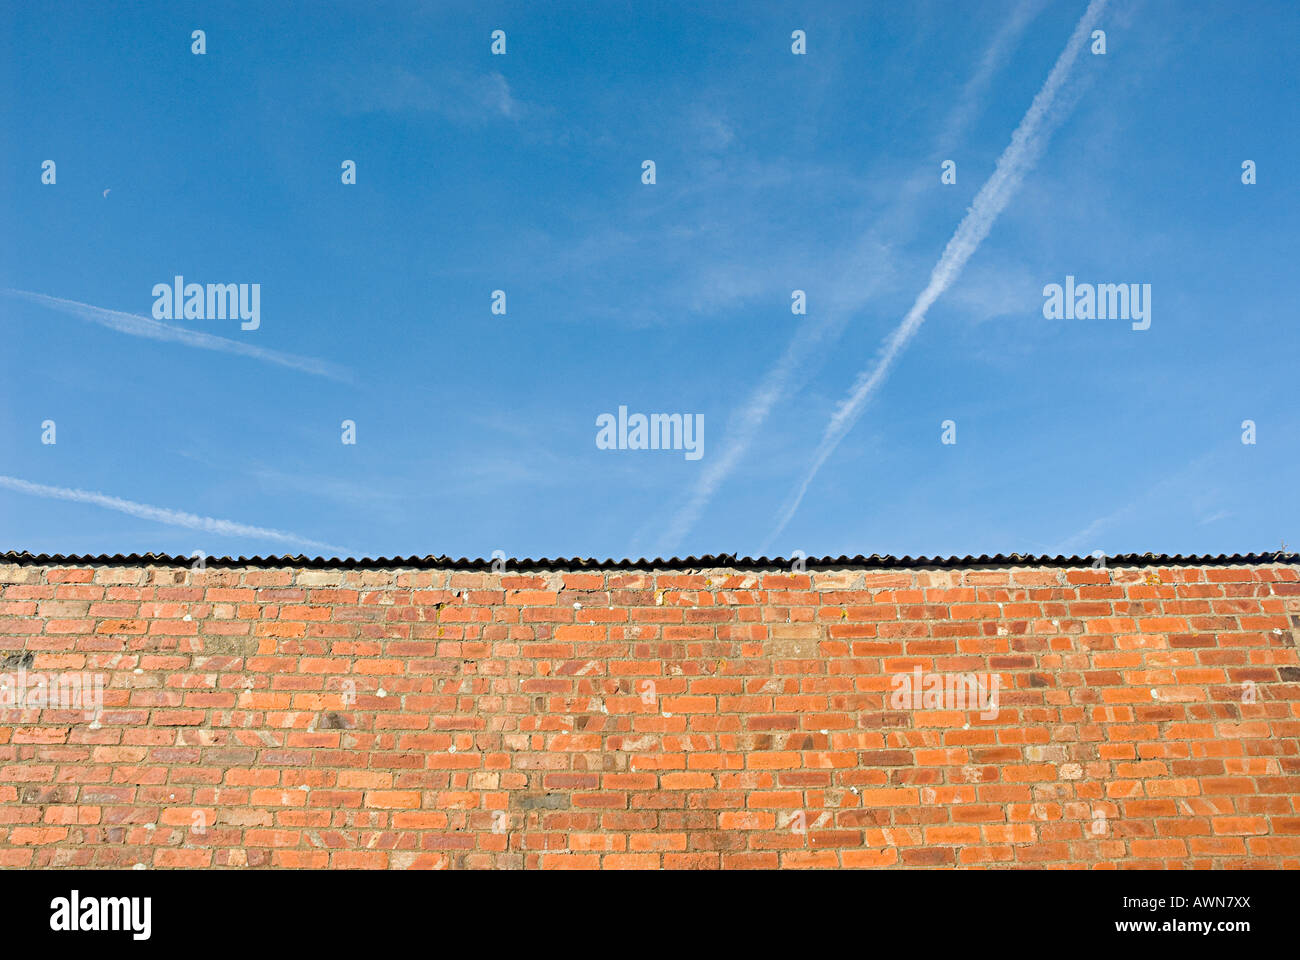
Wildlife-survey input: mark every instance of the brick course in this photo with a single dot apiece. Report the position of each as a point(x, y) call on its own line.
point(404, 718)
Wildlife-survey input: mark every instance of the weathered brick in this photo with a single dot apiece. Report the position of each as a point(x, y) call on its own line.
point(644, 719)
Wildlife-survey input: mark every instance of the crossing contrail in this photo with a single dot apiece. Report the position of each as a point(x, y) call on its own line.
point(1017, 160)
point(814, 333)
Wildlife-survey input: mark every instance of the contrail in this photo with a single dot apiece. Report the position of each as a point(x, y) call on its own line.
point(741, 435)
point(138, 326)
point(758, 406)
point(994, 55)
point(175, 518)
point(1016, 161)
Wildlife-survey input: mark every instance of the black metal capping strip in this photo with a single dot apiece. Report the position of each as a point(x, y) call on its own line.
point(873, 562)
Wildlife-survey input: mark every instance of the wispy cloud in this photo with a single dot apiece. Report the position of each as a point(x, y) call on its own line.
point(460, 97)
point(1017, 160)
point(175, 518)
point(354, 493)
point(1178, 490)
point(139, 326)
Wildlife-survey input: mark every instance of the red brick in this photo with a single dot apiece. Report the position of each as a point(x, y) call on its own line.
point(512, 731)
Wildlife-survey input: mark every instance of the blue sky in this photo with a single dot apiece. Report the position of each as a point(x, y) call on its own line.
point(774, 172)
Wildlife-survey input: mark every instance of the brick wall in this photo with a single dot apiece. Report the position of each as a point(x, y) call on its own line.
point(281, 717)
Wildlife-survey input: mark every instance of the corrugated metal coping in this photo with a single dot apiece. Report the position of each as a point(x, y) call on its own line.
point(873, 562)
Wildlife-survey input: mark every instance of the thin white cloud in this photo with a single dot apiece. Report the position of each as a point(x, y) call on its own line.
point(460, 97)
point(175, 518)
point(1087, 537)
point(1017, 159)
point(1177, 491)
point(498, 96)
point(139, 326)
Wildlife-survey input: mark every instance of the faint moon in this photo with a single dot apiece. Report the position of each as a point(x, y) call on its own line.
point(106, 191)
